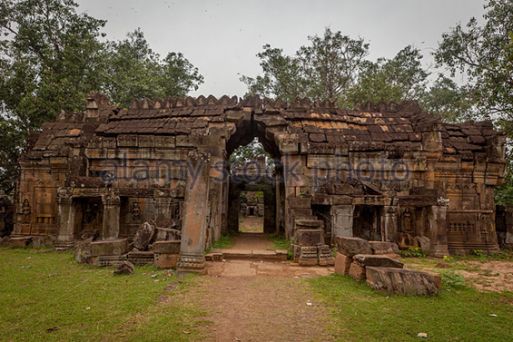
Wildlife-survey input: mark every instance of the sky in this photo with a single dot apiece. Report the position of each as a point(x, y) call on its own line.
point(222, 38)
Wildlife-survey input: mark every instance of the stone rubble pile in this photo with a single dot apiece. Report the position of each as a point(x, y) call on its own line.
point(375, 262)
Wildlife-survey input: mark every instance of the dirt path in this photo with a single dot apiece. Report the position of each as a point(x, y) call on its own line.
point(258, 301)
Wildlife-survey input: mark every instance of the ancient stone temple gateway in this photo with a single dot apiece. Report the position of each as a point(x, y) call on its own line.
point(391, 173)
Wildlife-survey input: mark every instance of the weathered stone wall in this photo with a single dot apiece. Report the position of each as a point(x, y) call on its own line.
point(391, 172)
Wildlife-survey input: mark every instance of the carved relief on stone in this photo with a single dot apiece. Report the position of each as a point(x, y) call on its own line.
point(111, 199)
point(443, 202)
point(135, 211)
point(64, 196)
point(25, 208)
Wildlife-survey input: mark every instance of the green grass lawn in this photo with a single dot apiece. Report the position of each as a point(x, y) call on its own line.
point(361, 314)
point(45, 295)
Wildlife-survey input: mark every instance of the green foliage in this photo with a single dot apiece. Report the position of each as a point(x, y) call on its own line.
point(51, 57)
point(398, 79)
point(412, 252)
point(250, 153)
point(323, 70)
point(48, 296)
point(362, 314)
point(134, 70)
point(225, 241)
point(478, 253)
point(452, 280)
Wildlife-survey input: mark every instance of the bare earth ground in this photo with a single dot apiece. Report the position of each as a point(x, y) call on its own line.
point(251, 224)
point(495, 276)
point(259, 301)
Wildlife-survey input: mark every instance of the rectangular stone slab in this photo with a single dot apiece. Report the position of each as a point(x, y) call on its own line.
point(384, 247)
point(377, 261)
point(167, 247)
point(351, 246)
point(342, 263)
point(401, 281)
point(109, 247)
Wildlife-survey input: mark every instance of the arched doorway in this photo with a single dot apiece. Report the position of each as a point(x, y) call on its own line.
point(254, 164)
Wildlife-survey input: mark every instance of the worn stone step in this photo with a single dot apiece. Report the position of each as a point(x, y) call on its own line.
point(257, 255)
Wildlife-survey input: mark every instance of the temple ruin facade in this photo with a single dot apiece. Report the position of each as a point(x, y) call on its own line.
point(388, 173)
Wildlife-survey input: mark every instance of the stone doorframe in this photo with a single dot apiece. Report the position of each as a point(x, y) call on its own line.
point(67, 207)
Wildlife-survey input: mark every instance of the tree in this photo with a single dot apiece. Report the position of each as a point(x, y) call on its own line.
point(483, 54)
point(134, 70)
point(51, 57)
point(322, 70)
point(452, 102)
point(389, 80)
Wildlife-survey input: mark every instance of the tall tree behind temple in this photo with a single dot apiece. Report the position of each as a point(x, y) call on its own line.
point(323, 70)
point(483, 54)
point(51, 57)
point(133, 70)
point(386, 80)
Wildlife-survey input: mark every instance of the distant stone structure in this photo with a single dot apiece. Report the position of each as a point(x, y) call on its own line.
point(386, 173)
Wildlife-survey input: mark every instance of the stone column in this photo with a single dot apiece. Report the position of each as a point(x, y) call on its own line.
point(342, 220)
point(111, 212)
point(389, 222)
point(194, 229)
point(438, 229)
point(66, 216)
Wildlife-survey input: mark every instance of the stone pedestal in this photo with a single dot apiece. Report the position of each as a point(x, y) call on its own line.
point(342, 220)
point(111, 211)
point(192, 246)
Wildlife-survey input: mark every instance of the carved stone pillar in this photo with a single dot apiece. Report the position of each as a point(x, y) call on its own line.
point(342, 220)
point(111, 211)
point(438, 228)
point(66, 216)
point(389, 222)
point(194, 230)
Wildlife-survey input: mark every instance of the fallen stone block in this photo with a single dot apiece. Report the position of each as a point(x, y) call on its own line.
point(351, 246)
point(342, 264)
point(126, 267)
point(357, 271)
point(377, 261)
point(20, 241)
point(424, 243)
point(166, 260)
point(166, 247)
point(384, 247)
point(401, 281)
point(109, 247)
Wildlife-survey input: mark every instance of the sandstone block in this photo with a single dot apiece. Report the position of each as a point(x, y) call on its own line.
point(309, 237)
point(351, 246)
point(166, 260)
point(126, 267)
point(357, 271)
point(377, 261)
point(384, 247)
point(424, 243)
point(109, 247)
point(401, 281)
point(167, 247)
point(342, 264)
